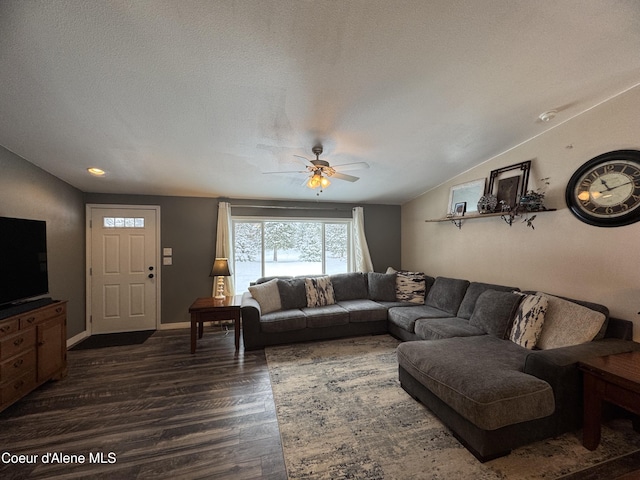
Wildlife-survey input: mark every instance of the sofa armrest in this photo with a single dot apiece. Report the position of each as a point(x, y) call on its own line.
point(618, 328)
point(559, 368)
point(251, 313)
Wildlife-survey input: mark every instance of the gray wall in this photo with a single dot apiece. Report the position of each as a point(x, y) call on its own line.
point(26, 191)
point(188, 226)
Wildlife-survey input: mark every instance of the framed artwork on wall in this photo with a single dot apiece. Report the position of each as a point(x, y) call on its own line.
point(459, 209)
point(469, 193)
point(507, 186)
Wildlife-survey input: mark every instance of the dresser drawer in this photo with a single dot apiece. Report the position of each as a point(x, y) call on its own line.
point(8, 327)
point(17, 387)
point(19, 365)
point(17, 343)
point(42, 314)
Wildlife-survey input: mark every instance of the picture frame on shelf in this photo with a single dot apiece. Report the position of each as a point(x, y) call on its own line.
point(468, 193)
point(459, 209)
point(508, 188)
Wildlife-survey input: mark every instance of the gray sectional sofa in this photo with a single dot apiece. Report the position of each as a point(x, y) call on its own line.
point(457, 355)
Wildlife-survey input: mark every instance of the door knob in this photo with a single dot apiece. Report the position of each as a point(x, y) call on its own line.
point(150, 268)
point(151, 275)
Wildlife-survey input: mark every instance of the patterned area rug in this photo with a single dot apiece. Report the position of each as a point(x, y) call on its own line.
point(343, 414)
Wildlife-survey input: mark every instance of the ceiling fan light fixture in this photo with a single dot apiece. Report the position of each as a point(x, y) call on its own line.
point(324, 182)
point(315, 181)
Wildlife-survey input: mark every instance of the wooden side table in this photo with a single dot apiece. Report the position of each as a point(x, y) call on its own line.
point(614, 379)
point(209, 309)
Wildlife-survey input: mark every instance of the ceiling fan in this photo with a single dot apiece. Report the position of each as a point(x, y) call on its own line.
point(320, 170)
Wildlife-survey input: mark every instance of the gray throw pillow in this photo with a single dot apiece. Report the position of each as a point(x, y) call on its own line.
point(349, 286)
point(292, 293)
point(382, 286)
point(494, 312)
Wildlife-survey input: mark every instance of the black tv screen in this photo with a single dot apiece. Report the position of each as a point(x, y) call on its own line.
point(23, 259)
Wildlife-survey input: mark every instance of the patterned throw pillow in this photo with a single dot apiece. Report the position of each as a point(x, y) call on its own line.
point(410, 287)
point(528, 322)
point(267, 295)
point(319, 291)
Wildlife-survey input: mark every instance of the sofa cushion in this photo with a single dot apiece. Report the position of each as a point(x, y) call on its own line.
point(473, 292)
point(528, 321)
point(319, 291)
point(494, 312)
point(292, 293)
point(267, 295)
point(326, 316)
point(364, 310)
point(446, 294)
point(266, 279)
point(567, 323)
point(349, 286)
point(405, 317)
point(382, 286)
point(283, 321)
point(411, 287)
point(437, 328)
point(479, 377)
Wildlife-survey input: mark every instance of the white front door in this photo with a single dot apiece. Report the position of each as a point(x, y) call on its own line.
point(123, 268)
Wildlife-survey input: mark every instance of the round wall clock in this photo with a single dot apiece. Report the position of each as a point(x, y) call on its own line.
point(605, 191)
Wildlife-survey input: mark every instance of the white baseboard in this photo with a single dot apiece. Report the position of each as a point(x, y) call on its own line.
point(76, 339)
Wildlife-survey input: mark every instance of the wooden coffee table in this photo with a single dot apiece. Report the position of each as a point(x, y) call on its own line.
point(614, 379)
point(209, 309)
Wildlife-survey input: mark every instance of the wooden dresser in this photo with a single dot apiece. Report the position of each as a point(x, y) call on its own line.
point(33, 349)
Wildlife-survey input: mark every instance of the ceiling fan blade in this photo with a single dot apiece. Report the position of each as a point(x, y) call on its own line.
point(345, 167)
point(288, 171)
point(344, 176)
point(304, 160)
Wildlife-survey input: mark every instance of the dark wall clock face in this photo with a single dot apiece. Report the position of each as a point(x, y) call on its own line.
point(605, 191)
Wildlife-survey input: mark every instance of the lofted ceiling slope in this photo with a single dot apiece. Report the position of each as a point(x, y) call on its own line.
point(200, 98)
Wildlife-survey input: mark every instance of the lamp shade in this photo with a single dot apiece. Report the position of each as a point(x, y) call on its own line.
point(220, 268)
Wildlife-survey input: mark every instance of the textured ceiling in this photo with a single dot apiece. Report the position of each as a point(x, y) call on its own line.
point(199, 98)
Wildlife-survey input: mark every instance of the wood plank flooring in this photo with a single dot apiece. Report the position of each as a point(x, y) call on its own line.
point(162, 412)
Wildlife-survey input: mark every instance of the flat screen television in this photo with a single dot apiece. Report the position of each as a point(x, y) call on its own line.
point(23, 260)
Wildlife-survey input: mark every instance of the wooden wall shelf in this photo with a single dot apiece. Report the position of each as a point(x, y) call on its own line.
point(457, 221)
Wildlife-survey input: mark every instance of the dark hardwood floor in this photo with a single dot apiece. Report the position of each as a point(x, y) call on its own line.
point(162, 412)
point(156, 412)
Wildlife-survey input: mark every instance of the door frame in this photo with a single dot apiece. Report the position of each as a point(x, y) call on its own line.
point(89, 207)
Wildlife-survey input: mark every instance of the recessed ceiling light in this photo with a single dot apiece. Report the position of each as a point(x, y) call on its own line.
point(548, 116)
point(96, 172)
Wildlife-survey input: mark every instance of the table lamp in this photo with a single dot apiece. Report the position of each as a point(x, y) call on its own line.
point(220, 269)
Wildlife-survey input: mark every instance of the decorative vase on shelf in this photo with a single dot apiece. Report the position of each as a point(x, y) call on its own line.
point(487, 204)
point(532, 202)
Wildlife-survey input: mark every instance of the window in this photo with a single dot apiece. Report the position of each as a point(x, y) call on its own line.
point(268, 247)
point(120, 222)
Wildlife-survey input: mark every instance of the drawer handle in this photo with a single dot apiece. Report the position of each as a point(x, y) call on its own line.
point(59, 310)
point(31, 319)
point(18, 341)
point(18, 364)
point(18, 384)
point(6, 328)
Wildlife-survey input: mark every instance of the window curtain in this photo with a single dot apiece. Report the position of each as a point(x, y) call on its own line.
point(361, 256)
point(224, 245)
